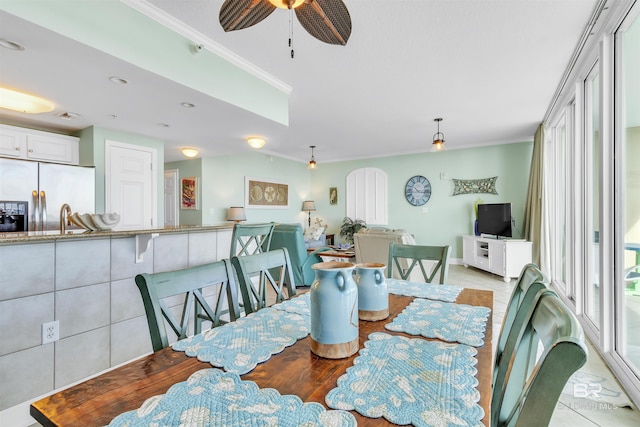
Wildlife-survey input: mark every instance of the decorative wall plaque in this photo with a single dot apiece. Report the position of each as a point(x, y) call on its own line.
point(470, 186)
point(263, 193)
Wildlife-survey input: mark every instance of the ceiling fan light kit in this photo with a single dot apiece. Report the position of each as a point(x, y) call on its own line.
point(327, 20)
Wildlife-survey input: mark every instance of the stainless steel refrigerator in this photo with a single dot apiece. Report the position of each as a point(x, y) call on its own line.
point(46, 187)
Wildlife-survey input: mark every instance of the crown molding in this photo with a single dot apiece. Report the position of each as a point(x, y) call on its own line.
point(163, 18)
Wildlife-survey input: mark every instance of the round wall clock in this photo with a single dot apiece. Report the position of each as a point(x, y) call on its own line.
point(418, 190)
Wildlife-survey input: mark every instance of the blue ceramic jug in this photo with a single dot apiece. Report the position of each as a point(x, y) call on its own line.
point(334, 310)
point(373, 294)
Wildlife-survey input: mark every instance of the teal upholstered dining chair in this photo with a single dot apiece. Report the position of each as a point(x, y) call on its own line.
point(155, 287)
point(524, 295)
point(249, 239)
point(291, 236)
point(528, 392)
point(262, 273)
point(406, 257)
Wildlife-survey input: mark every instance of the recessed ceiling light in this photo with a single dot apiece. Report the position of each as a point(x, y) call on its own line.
point(164, 125)
point(118, 80)
point(10, 44)
point(187, 104)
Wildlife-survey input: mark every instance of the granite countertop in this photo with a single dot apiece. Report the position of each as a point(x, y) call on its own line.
point(39, 236)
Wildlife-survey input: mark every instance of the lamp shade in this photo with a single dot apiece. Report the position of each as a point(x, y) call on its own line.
point(236, 213)
point(308, 206)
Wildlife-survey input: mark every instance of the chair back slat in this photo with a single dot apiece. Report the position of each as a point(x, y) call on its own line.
point(155, 287)
point(527, 390)
point(249, 239)
point(259, 272)
point(531, 280)
point(406, 257)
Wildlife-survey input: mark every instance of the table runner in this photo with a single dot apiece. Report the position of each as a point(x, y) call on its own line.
point(239, 346)
point(447, 293)
point(411, 381)
point(211, 397)
point(451, 322)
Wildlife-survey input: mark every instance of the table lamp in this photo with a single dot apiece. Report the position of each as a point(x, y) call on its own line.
point(236, 214)
point(309, 206)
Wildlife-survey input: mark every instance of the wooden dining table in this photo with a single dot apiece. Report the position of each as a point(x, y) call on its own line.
point(296, 370)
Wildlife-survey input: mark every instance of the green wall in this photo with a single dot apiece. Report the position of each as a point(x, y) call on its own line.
point(222, 181)
point(443, 220)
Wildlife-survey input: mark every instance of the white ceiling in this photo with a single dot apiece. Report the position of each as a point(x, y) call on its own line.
point(489, 68)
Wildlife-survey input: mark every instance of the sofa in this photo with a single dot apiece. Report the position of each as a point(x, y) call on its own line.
point(315, 237)
point(372, 245)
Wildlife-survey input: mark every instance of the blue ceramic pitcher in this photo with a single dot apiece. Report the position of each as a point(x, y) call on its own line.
point(373, 294)
point(334, 310)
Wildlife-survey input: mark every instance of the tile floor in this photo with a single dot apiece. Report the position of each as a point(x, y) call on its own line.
point(570, 412)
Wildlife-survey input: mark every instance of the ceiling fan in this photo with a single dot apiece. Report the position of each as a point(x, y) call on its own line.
point(326, 20)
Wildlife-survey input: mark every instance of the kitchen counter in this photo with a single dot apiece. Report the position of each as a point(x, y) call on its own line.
point(41, 236)
point(85, 281)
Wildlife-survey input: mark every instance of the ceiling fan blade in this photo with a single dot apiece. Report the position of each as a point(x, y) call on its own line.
point(240, 14)
point(327, 20)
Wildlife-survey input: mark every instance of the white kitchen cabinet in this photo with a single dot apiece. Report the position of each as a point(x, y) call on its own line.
point(28, 144)
point(504, 257)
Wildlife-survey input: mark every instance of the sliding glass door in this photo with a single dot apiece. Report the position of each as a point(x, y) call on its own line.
point(592, 196)
point(628, 189)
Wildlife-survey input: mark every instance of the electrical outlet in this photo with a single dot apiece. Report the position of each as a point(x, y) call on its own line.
point(50, 332)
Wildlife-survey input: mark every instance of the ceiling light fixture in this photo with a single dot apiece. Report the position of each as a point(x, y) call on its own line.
point(438, 138)
point(312, 162)
point(256, 142)
point(187, 104)
point(18, 101)
point(327, 20)
point(286, 4)
point(190, 152)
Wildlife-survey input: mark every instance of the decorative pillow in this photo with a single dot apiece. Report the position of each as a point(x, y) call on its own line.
point(313, 233)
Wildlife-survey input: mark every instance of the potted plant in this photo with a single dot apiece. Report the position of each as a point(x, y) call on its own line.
point(351, 226)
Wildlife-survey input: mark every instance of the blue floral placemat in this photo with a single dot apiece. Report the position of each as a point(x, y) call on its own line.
point(424, 290)
point(300, 305)
point(239, 346)
point(411, 381)
point(211, 397)
point(451, 322)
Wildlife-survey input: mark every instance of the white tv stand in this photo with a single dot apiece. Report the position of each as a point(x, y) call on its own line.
point(504, 257)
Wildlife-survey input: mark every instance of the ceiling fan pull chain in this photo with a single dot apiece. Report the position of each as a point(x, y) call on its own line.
point(291, 30)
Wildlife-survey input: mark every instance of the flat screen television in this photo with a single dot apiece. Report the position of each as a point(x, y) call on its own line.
point(495, 219)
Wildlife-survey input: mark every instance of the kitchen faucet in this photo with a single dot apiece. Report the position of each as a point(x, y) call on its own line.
point(65, 213)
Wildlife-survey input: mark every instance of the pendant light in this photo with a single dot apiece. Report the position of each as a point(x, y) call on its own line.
point(438, 138)
point(312, 162)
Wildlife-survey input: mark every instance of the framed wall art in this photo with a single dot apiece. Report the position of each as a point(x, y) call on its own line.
point(265, 193)
point(333, 195)
point(189, 193)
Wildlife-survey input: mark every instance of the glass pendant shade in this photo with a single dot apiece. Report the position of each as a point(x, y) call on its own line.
point(286, 4)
